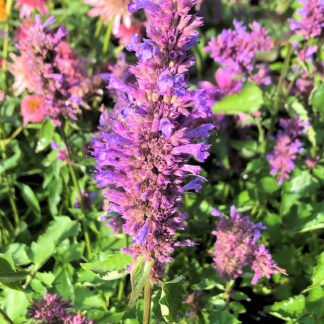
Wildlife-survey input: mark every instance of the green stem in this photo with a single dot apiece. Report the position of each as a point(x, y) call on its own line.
point(278, 95)
point(228, 288)
point(107, 36)
point(77, 187)
point(6, 317)
point(198, 61)
point(147, 303)
point(7, 180)
point(98, 27)
point(121, 289)
point(6, 40)
point(283, 73)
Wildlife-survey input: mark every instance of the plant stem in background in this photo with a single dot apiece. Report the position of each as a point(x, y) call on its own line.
point(77, 188)
point(107, 36)
point(6, 178)
point(278, 95)
point(147, 303)
point(227, 292)
point(6, 40)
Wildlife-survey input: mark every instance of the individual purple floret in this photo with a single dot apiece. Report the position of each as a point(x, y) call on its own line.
point(287, 148)
point(157, 125)
point(236, 49)
point(236, 247)
point(53, 310)
point(41, 63)
point(311, 19)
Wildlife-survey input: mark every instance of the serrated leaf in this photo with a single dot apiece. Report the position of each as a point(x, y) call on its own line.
point(247, 101)
point(29, 197)
point(171, 300)
point(114, 267)
point(55, 189)
point(45, 135)
point(140, 273)
point(289, 309)
point(58, 230)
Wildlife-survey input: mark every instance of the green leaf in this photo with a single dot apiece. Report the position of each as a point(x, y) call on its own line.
point(114, 267)
point(15, 303)
point(45, 135)
point(318, 275)
point(315, 301)
point(18, 253)
point(316, 221)
point(29, 197)
point(237, 307)
point(58, 230)
point(64, 282)
point(140, 273)
point(268, 185)
point(221, 317)
point(289, 309)
point(13, 276)
point(317, 98)
point(71, 252)
point(55, 189)
point(171, 300)
point(247, 101)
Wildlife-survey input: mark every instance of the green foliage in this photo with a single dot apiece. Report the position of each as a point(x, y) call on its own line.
point(247, 101)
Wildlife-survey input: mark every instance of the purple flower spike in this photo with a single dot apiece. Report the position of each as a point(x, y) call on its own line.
point(144, 144)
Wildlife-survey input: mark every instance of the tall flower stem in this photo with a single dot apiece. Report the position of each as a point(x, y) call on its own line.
point(279, 90)
point(6, 39)
point(107, 36)
point(147, 303)
point(228, 288)
point(77, 188)
point(6, 178)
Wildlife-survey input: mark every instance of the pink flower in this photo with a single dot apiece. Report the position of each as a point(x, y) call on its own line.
point(28, 6)
point(33, 109)
point(124, 33)
point(108, 9)
point(223, 78)
point(21, 31)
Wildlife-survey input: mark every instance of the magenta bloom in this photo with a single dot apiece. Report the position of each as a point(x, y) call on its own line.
point(236, 247)
point(311, 18)
point(40, 65)
point(236, 49)
point(33, 109)
point(287, 148)
point(28, 6)
point(157, 125)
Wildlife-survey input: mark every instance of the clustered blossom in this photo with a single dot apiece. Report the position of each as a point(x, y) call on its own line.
point(311, 19)
point(86, 199)
point(287, 148)
point(236, 50)
point(111, 9)
point(39, 69)
point(52, 309)
point(28, 6)
point(236, 247)
point(144, 144)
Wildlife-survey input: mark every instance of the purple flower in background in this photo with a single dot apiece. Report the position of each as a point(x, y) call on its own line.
point(53, 310)
point(38, 69)
point(61, 155)
point(236, 247)
point(86, 199)
point(142, 156)
point(236, 49)
point(311, 19)
point(287, 148)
